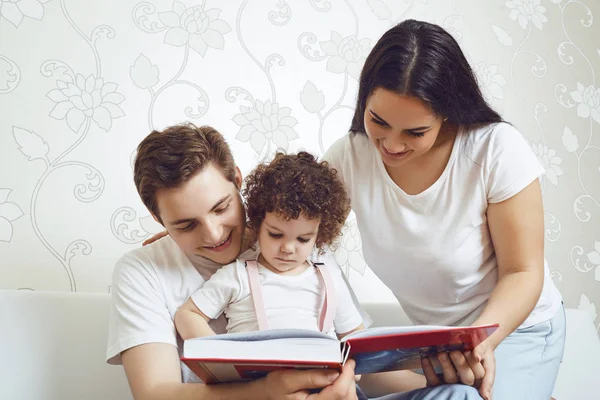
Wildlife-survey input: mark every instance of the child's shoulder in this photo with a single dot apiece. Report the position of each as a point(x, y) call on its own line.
point(325, 257)
point(330, 265)
point(233, 269)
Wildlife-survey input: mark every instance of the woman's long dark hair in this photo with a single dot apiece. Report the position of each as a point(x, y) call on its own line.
point(422, 60)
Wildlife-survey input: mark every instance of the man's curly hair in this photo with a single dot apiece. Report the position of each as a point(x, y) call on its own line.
point(294, 184)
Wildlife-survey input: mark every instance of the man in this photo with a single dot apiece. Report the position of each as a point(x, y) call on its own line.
point(187, 178)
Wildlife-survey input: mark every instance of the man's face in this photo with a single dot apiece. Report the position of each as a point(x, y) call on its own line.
point(205, 216)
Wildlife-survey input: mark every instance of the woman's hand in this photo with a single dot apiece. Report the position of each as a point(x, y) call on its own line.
point(154, 238)
point(293, 384)
point(475, 368)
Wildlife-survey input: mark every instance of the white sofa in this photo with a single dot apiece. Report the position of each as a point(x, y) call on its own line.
point(52, 346)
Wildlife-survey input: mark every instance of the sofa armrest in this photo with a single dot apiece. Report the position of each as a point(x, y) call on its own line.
point(53, 346)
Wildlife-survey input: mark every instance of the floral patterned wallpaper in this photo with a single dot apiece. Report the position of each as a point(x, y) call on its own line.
point(82, 82)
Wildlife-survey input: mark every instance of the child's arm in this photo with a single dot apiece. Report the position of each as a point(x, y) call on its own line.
point(209, 302)
point(191, 322)
point(347, 317)
point(358, 328)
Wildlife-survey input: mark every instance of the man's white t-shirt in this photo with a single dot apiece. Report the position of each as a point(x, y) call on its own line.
point(433, 249)
point(149, 284)
point(291, 301)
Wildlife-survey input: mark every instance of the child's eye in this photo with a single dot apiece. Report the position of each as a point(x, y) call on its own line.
point(275, 235)
point(302, 240)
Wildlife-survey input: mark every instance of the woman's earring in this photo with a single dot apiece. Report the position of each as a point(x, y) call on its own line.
point(445, 119)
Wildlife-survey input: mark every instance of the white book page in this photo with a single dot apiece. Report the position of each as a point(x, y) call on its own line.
point(266, 335)
point(295, 349)
point(391, 330)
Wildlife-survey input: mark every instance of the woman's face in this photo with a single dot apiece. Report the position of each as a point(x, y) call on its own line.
point(402, 128)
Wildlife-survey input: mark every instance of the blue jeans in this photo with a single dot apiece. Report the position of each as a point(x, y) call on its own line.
point(444, 392)
point(527, 361)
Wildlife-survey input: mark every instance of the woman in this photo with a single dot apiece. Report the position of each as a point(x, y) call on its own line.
point(449, 208)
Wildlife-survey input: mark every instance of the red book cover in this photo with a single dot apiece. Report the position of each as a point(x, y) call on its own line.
point(388, 350)
point(374, 350)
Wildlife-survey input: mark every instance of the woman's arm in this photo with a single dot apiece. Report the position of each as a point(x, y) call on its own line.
point(517, 230)
point(191, 322)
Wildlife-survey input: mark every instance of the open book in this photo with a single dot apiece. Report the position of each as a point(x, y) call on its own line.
point(251, 355)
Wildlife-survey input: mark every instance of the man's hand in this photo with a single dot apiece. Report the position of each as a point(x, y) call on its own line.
point(298, 385)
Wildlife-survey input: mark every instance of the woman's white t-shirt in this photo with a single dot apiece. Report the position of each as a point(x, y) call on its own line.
point(433, 249)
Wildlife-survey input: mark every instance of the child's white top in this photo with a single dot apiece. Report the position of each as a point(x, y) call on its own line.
point(291, 301)
point(434, 249)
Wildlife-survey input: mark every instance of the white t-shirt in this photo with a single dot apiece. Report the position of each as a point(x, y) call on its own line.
point(433, 249)
point(291, 302)
point(149, 284)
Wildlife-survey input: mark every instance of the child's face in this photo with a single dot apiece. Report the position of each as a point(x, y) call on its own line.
point(285, 245)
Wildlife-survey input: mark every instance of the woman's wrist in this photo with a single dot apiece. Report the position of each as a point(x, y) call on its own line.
point(495, 338)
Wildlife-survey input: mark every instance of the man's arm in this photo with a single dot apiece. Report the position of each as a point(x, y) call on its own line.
point(154, 373)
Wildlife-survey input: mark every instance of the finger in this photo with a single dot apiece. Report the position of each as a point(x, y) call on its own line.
point(430, 375)
point(476, 367)
point(450, 375)
point(487, 383)
point(462, 367)
point(344, 387)
point(357, 378)
point(293, 380)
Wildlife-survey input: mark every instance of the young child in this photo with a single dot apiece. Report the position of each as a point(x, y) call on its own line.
point(294, 205)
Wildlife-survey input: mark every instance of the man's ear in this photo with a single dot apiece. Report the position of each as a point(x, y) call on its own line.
point(238, 178)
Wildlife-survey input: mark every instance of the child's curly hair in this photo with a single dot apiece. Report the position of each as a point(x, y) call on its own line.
point(294, 184)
